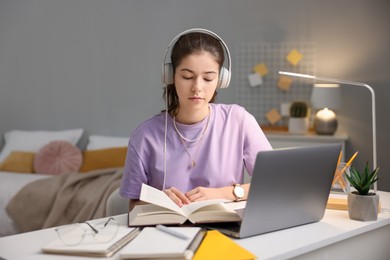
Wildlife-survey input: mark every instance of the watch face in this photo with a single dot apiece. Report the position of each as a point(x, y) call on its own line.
point(239, 191)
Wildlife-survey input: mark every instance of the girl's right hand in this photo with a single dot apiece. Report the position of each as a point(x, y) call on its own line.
point(177, 196)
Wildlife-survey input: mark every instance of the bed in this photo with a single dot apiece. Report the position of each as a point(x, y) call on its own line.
point(39, 168)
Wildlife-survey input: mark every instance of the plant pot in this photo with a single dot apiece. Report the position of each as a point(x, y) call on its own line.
point(363, 207)
point(298, 125)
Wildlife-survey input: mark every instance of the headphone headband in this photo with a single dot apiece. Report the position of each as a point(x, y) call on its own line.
point(167, 70)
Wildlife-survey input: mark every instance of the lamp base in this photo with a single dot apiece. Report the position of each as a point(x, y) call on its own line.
point(325, 127)
point(325, 122)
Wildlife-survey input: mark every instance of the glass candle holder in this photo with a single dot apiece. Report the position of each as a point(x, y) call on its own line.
point(340, 183)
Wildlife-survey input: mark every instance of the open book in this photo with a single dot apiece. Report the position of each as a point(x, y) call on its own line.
point(162, 210)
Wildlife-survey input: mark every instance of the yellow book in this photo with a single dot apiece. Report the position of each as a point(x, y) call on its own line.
point(218, 246)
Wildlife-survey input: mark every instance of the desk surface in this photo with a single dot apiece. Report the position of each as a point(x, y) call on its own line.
point(333, 228)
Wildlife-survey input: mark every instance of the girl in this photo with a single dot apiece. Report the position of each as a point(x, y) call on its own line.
point(207, 144)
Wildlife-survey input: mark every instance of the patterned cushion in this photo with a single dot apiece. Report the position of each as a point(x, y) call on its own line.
point(58, 157)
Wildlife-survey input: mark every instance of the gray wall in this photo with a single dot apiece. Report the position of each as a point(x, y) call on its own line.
point(96, 64)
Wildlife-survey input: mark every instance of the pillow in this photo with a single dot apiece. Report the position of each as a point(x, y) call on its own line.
point(18, 161)
point(32, 141)
point(58, 157)
point(103, 158)
point(101, 142)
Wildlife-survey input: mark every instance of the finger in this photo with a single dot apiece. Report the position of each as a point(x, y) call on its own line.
point(192, 192)
point(173, 197)
point(195, 196)
point(180, 195)
point(177, 196)
point(183, 198)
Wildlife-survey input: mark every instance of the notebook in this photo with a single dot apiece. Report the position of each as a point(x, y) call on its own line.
point(218, 246)
point(92, 248)
point(153, 243)
point(289, 187)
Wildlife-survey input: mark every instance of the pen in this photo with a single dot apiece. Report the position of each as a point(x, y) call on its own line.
point(352, 158)
point(349, 162)
point(171, 232)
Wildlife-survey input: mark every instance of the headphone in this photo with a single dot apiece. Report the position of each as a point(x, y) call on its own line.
point(167, 68)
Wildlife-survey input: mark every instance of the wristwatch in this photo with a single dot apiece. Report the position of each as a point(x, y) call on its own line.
point(238, 192)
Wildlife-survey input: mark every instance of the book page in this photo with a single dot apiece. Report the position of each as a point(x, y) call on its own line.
point(236, 205)
point(214, 213)
point(158, 197)
point(194, 206)
point(151, 214)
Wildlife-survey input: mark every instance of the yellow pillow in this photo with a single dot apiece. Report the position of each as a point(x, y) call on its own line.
point(18, 161)
point(103, 158)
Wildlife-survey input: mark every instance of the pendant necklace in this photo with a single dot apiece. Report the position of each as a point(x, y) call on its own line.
point(200, 138)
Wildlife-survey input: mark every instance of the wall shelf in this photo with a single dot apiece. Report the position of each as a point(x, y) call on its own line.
point(281, 138)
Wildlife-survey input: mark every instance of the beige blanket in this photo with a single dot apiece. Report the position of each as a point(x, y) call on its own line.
point(63, 199)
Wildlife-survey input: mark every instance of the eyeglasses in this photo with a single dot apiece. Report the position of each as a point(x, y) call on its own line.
point(74, 234)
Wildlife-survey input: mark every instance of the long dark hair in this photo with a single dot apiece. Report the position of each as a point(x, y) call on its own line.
point(186, 45)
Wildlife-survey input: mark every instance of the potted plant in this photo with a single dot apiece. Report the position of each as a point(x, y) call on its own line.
point(363, 204)
point(298, 121)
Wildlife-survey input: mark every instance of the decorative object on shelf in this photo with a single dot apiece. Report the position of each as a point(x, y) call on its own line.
point(294, 57)
point(298, 122)
point(362, 204)
point(284, 83)
point(261, 69)
point(273, 116)
point(352, 83)
point(255, 80)
point(340, 182)
point(325, 97)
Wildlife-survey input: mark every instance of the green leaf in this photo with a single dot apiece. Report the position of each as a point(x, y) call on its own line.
point(362, 182)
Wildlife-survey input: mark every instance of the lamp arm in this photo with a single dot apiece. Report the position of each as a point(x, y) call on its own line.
point(353, 83)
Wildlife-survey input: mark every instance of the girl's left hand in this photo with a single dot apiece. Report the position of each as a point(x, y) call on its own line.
point(202, 193)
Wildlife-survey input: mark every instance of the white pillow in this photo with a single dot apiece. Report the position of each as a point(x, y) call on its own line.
point(102, 141)
point(32, 141)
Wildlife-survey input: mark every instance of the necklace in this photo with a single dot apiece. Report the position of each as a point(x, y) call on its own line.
point(192, 159)
point(192, 140)
point(182, 139)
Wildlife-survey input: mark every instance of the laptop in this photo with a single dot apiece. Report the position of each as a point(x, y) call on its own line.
point(289, 187)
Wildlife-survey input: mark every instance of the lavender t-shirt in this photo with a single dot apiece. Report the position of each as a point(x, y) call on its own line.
point(231, 142)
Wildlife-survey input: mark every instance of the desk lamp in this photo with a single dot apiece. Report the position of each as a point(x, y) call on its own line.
point(325, 97)
point(352, 83)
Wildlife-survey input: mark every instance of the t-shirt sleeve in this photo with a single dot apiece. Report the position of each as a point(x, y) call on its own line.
point(254, 141)
point(134, 175)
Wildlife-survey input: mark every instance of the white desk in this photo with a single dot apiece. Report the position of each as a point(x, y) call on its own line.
point(334, 237)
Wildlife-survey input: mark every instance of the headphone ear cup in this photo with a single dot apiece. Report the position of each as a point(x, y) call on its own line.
point(167, 74)
point(224, 78)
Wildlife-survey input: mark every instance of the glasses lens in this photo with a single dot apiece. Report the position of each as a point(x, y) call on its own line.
point(71, 235)
point(106, 230)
